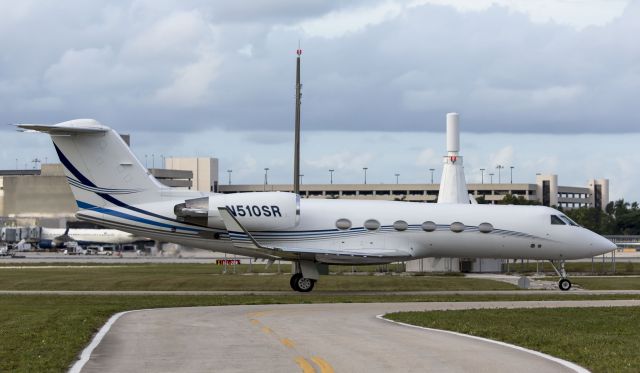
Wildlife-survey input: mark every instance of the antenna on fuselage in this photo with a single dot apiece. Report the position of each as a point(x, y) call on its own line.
point(296, 151)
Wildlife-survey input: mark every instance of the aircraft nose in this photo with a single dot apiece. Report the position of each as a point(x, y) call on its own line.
point(603, 245)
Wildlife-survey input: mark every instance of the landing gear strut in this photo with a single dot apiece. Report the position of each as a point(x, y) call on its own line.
point(564, 284)
point(301, 284)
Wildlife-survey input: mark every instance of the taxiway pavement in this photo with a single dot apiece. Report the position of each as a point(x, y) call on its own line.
point(308, 338)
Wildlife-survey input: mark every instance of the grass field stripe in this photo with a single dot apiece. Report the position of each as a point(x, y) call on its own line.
point(567, 364)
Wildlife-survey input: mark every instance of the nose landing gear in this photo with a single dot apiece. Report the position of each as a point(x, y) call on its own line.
point(564, 284)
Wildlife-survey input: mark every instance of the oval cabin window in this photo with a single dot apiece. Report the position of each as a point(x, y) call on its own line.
point(400, 225)
point(343, 224)
point(485, 227)
point(457, 227)
point(372, 224)
point(429, 226)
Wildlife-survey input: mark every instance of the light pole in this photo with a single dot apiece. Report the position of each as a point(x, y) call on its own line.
point(511, 169)
point(331, 176)
point(432, 169)
point(153, 160)
point(499, 167)
point(301, 175)
point(145, 162)
point(491, 174)
point(266, 175)
point(365, 173)
point(397, 175)
point(229, 172)
point(482, 176)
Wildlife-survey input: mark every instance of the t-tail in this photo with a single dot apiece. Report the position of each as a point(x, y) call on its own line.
point(99, 166)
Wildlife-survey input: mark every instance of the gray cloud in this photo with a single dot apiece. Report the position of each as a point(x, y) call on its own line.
point(170, 66)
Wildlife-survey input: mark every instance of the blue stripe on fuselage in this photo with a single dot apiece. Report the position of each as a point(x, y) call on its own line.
point(87, 206)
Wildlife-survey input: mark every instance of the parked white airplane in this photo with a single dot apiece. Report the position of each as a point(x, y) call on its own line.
point(57, 237)
point(113, 189)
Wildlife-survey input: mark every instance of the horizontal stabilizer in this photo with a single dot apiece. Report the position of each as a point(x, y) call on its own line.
point(69, 127)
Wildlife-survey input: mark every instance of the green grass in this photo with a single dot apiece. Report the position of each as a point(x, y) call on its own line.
point(607, 283)
point(46, 333)
point(209, 277)
point(622, 267)
point(600, 339)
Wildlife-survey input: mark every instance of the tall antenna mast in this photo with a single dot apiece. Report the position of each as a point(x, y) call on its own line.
point(296, 152)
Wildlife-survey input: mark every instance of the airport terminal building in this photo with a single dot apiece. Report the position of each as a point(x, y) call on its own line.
point(545, 190)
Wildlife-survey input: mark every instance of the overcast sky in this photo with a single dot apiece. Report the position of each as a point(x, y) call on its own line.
point(544, 85)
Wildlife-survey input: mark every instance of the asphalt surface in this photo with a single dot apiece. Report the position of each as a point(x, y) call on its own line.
point(308, 338)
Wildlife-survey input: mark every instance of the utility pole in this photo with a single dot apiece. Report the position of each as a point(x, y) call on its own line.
point(296, 152)
point(35, 163)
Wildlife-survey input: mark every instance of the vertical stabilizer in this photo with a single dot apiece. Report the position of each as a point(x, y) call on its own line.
point(99, 166)
point(453, 186)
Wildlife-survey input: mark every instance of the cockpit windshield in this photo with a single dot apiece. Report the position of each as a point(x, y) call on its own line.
point(562, 220)
point(567, 220)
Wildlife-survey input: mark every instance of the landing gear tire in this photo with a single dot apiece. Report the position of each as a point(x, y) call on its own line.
point(564, 284)
point(301, 284)
point(293, 282)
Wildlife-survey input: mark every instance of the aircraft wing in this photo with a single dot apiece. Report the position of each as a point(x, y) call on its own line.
point(241, 238)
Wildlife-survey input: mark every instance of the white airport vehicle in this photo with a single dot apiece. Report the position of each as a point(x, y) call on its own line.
point(113, 188)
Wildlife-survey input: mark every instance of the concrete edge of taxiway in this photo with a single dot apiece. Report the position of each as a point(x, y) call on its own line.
point(575, 367)
point(95, 341)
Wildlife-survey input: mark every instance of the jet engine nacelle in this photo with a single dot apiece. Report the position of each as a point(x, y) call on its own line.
point(258, 211)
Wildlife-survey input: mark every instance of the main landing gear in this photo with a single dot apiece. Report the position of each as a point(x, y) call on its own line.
point(301, 284)
point(564, 284)
point(305, 276)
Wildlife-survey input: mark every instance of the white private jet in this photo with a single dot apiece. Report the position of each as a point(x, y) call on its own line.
point(112, 188)
point(57, 237)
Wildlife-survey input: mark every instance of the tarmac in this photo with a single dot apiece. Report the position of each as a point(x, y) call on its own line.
point(308, 338)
